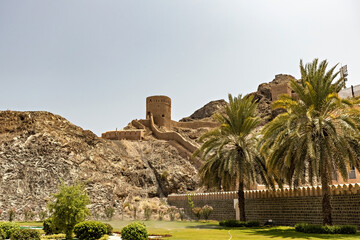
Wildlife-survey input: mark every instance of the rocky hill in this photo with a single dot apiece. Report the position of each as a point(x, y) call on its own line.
point(39, 149)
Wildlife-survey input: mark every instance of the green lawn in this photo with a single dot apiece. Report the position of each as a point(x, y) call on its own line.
point(212, 231)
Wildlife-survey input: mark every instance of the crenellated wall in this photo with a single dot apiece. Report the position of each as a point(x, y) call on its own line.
point(171, 136)
point(285, 207)
point(124, 134)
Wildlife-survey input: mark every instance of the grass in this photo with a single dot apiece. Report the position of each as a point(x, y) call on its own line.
point(212, 231)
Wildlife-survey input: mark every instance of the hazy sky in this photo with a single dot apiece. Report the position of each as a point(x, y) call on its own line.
point(95, 62)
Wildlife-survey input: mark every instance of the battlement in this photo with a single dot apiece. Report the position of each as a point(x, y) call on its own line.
point(124, 134)
point(339, 189)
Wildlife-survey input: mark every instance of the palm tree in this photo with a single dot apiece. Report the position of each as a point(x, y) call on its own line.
point(230, 152)
point(316, 135)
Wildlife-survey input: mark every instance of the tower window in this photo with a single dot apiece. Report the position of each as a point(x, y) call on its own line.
point(163, 115)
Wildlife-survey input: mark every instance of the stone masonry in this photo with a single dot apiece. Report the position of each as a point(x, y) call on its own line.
point(284, 207)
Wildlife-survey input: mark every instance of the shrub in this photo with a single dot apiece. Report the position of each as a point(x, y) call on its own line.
point(206, 211)
point(109, 212)
point(68, 207)
point(2, 234)
point(314, 228)
point(147, 212)
point(182, 213)
point(252, 224)
point(134, 231)
point(8, 228)
point(90, 230)
point(237, 223)
point(347, 229)
point(28, 214)
point(42, 215)
point(197, 212)
point(134, 210)
point(53, 236)
point(49, 227)
point(105, 237)
point(161, 213)
point(172, 212)
point(109, 229)
point(12, 212)
point(25, 234)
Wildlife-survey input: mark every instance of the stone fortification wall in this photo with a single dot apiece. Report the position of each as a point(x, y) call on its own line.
point(138, 124)
point(285, 207)
point(160, 108)
point(124, 134)
point(172, 136)
point(194, 124)
point(145, 122)
point(281, 85)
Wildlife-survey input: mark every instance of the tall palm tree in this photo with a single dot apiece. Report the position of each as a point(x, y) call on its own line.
point(230, 150)
point(316, 135)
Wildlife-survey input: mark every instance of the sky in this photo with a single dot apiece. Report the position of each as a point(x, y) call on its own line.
point(94, 62)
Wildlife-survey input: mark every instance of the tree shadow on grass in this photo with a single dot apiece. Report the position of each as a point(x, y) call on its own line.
point(207, 226)
point(291, 233)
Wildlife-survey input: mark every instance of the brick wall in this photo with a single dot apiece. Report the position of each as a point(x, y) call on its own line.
point(285, 207)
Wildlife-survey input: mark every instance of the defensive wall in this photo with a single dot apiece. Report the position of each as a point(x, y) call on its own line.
point(280, 86)
point(124, 134)
point(283, 206)
point(172, 136)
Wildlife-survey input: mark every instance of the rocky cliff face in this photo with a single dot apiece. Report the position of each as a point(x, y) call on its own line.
point(206, 111)
point(39, 149)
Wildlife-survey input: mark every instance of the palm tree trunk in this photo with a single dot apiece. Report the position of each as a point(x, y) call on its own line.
point(241, 197)
point(326, 205)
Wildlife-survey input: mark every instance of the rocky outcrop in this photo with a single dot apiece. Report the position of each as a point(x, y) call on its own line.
point(264, 97)
point(40, 149)
point(206, 111)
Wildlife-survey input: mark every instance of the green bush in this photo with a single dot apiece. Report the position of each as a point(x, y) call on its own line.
point(109, 212)
point(134, 231)
point(206, 211)
point(2, 234)
point(53, 236)
point(314, 228)
point(90, 230)
point(25, 234)
point(49, 227)
point(8, 228)
point(347, 229)
point(252, 224)
point(237, 223)
point(197, 212)
point(105, 237)
point(109, 229)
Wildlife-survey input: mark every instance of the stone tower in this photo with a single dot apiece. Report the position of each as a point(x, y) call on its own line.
point(160, 108)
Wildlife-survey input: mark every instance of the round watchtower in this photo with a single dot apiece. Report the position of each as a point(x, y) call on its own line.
point(160, 108)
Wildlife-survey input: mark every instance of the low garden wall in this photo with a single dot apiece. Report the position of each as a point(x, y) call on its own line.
point(284, 207)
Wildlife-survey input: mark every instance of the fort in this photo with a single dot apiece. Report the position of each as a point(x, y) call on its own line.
point(158, 124)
